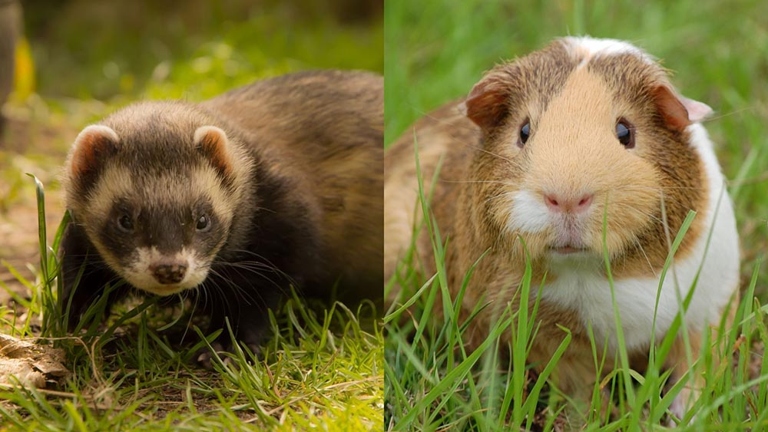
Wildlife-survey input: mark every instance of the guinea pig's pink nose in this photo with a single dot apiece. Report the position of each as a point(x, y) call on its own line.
point(562, 204)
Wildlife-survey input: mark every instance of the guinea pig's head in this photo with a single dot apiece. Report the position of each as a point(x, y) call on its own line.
point(154, 187)
point(586, 148)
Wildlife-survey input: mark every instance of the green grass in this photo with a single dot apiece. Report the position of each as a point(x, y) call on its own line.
point(121, 47)
point(435, 52)
point(323, 366)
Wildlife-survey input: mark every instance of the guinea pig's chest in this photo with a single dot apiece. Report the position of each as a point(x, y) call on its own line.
point(589, 295)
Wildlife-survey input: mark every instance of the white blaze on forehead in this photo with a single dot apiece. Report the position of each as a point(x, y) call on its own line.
point(139, 272)
point(588, 48)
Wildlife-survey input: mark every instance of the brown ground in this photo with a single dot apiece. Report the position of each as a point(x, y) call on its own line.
point(28, 145)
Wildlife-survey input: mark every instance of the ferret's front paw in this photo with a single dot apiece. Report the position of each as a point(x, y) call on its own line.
point(205, 356)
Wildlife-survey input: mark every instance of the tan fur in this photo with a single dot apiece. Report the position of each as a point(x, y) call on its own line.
point(213, 142)
point(117, 182)
point(84, 155)
point(624, 186)
point(447, 137)
point(322, 143)
point(573, 103)
point(139, 274)
point(345, 189)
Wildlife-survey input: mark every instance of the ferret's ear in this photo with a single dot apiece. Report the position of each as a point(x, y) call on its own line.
point(91, 147)
point(212, 143)
point(678, 111)
point(486, 104)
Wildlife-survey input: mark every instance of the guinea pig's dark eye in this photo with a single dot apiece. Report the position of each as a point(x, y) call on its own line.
point(125, 223)
point(203, 223)
point(525, 133)
point(625, 132)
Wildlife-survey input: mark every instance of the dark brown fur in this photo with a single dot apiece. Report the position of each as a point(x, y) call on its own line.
point(311, 217)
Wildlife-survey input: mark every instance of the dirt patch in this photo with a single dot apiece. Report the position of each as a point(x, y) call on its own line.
point(39, 149)
point(28, 364)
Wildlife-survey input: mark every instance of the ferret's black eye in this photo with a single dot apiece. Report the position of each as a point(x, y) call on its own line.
point(525, 133)
point(625, 132)
point(125, 223)
point(203, 223)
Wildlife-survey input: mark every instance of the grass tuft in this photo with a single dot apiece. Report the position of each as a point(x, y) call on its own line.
point(435, 52)
point(323, 367)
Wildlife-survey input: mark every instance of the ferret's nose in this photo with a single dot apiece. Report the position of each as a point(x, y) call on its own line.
point(564, 204)
point(169, 273)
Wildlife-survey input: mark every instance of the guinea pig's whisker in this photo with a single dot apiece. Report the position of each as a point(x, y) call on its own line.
point(443, 121)
point(501, 182)
point(513, 162)
point(499, 196)
point(637, 243)
point(678, 188)
point(636, 210)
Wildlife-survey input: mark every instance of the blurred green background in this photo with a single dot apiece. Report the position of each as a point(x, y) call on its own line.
point(101, 49)
point(82, 59)
point(718, 53)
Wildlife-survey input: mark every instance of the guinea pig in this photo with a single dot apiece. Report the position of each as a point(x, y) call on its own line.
point(580, 151)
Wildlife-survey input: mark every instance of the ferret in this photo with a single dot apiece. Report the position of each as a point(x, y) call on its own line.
point(576, 150)
point(234, 200)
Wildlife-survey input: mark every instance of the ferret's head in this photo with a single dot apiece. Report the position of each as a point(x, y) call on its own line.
point(584, 133)
point(154, 187)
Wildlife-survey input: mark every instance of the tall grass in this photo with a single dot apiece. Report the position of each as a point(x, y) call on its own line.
point(323, 366)
point(434, 383)
point(435, 52)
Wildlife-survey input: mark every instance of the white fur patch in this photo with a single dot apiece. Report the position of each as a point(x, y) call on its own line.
point(589, 294)
point(116, 182)
point(97, 129)
point(592, 47)
point(528, 213)
point(140, 276)
point(202, 131)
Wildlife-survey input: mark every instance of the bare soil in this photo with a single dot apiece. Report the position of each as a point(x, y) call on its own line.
point(35, 147)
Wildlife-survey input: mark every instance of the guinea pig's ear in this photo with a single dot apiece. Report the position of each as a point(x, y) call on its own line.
point(212, 143)
point(486, 104)
point(678, 111)
point(91, 147)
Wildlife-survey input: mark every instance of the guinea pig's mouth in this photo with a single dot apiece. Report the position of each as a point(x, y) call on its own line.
point(568, 249)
